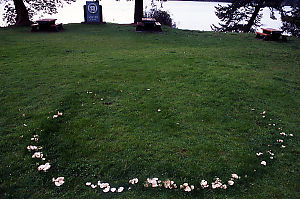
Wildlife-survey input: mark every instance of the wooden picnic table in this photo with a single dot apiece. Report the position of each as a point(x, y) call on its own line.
point(46, 25)
point(270, 34)
point(148, 24)
point(148, 20)
point(46, 21)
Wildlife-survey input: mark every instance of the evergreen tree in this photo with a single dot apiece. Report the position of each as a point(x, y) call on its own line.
point(243, 15)
point(291, 19)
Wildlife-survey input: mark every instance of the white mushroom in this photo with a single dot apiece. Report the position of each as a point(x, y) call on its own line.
point(113, 189)
point(58, 181)
point(134, 181)
point(44, 167)
point(235, 176)
point(106, 189)
point(120, 189)
point(88, 184)
point(230, 182)
point(187, 189)
point(204, 184)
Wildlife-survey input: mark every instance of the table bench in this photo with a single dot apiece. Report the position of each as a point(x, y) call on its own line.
point(46, 25)
point(148, 24)
point(270, 34)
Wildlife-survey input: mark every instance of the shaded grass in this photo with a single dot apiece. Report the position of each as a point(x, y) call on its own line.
point(205, 84)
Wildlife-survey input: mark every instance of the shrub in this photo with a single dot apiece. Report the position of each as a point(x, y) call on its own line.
point(161, 16)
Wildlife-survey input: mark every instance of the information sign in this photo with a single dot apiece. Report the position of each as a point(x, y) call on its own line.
point(93, 12)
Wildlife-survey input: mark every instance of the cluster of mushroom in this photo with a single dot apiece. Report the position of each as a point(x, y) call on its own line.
point(186, 187)
point(44, 167)
point(58, 181)
point(218, 184)
point(39, 155)
point(105, 186)
point(154, 182)
point(233, 177)
point(134, 181)
point(35, 138)
point(34, 148)
point(58, 114)
point(280, 141)
point(204, 184)
point(169, 184)
point(285, 134)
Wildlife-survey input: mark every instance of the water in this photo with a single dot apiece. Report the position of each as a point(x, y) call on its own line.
point(189, 15)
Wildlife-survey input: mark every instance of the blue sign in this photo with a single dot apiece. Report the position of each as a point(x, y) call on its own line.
point(92, 12)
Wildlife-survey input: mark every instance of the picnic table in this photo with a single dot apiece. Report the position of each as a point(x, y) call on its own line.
point(46, 25)
point(148, 24)
point(270, 34)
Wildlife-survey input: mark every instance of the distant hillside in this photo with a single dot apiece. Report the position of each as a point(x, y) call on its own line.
point(286, 2)
point(205, 0)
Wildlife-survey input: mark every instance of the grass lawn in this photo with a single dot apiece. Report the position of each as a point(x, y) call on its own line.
point(181, 105)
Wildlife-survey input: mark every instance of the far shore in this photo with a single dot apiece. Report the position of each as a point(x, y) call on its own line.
point(224, 1)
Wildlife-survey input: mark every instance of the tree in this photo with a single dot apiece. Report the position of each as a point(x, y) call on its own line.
point(243, 15)
point(291, 20)
point(22, 17)
point(20, 12)
point(138, 11)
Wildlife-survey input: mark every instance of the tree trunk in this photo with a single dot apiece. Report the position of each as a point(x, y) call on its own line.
point(247, 27)
point(22, 18)
point(138, 11)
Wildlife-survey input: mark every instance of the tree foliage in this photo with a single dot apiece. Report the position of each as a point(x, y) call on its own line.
point(13, 8)
point(160, 15)
point(243, 15)
point(291, 20)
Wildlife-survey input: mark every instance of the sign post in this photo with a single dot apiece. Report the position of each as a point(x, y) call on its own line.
point(93, 12)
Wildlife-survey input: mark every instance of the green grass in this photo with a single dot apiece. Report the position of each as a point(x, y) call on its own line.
point(204, 83)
